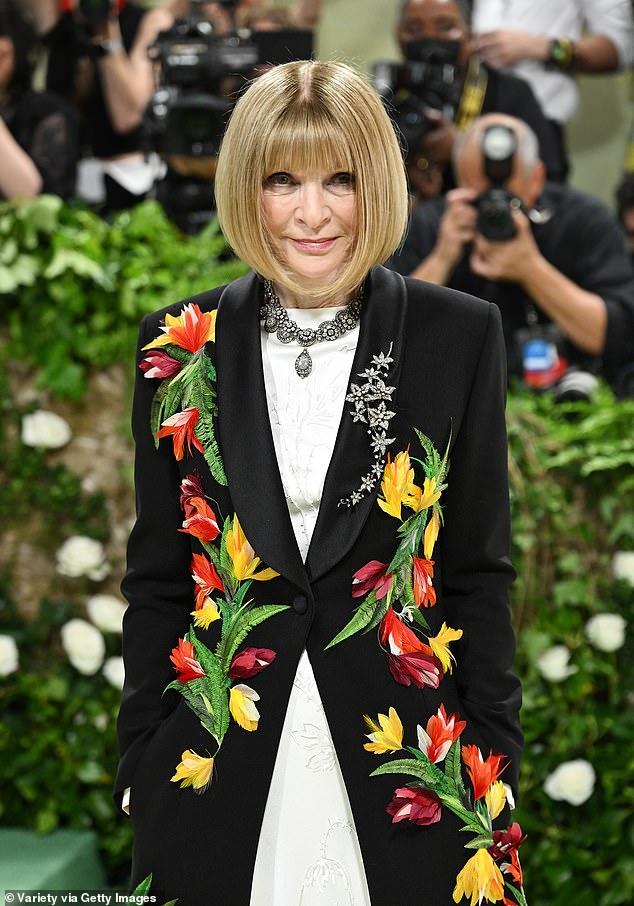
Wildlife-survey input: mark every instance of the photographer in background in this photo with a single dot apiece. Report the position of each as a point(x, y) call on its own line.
point(435, 34)
point(97, 55)
point(550, 257)
point(38, 132)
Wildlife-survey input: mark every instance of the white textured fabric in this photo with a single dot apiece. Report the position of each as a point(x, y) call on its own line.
point(556, 91)
point(308, 853)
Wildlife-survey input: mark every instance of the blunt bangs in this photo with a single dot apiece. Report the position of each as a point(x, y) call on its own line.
point(306, 139)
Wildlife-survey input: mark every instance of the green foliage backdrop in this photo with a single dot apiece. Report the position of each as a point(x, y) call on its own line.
point(73, 290)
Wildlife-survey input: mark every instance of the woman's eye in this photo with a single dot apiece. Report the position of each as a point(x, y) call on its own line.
point(343, 180)
point(278, 180)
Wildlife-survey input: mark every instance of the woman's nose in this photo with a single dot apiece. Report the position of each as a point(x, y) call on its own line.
point(313, 208)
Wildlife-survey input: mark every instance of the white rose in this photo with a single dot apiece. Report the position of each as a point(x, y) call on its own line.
point(572, 781)
point(84, 645)
point(553, 664)
point(106, 612)
point(606, 631)
point(45, 429)
point(114, 671)
point(623, 566)
point(8, 655)
point(82, 556)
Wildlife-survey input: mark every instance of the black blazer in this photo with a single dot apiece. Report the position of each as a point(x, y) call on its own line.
point(449, 372)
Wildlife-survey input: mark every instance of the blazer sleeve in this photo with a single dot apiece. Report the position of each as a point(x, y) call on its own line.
point(477, 571)
point(157, 584)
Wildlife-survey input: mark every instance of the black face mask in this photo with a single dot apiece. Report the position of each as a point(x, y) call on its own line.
point(434, 51)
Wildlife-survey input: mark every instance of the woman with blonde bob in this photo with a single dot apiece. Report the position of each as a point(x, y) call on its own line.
point(322, 529)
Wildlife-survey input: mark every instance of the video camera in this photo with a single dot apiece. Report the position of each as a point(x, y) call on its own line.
point(430, 78)
point(496, 205)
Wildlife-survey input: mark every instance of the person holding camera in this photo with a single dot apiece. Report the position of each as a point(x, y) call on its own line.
point(39, 141)
point(97, 56)
point(435, 34)
point(550, 257)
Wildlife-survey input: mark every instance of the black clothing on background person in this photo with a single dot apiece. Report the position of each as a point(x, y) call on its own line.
point(581, 239)
point(47, 129)
point(67, 44)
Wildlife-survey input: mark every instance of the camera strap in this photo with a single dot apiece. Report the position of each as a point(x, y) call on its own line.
point(473, 92)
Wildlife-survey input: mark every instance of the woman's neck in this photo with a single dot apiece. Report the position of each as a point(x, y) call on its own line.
point(307, 300)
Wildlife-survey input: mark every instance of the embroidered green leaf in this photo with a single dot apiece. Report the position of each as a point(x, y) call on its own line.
point(196, 694)
point(518, 894)
point(366, 616)
point(478, 842)
point(218, 683)
point(242, 624)
point(157, 409)
point(210, 371)
point(411, 767)
point(419, 619)
point(184, 356)
point(144, 886)
point(203, 397)
point(453, 769)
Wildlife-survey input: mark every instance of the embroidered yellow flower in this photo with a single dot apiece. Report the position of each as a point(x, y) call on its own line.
point(495, 798)
point(194, 770)
point(397, 484)
point(242, 707)
point(243, 556)
point(440, 645)
point(206, 615)
point(422, 498)
point(480, 879)
point(431, 534)
point(387, 735)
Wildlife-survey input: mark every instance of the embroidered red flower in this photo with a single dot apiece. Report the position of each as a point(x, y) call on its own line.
point(191, 486)
point(250, 661)
point(158, 364)
point(398, 637)
point(371, 577)
point(202, 523)
point(416, 804)
point(505, 846)
point(418, 668)
point(190, 330)
point(482, 772)
point(181, 426)
point(424, 591)
point(185, 663)
point(440, 734)
point(206, 578)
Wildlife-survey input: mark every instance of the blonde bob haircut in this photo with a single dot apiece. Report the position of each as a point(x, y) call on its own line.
point(308, 116)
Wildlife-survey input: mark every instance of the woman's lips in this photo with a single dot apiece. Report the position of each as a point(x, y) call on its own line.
point(314, 245)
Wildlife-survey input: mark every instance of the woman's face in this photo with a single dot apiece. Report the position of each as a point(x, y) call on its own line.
point(311, 218)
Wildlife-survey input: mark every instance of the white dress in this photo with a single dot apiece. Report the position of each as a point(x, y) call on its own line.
point(308, 852)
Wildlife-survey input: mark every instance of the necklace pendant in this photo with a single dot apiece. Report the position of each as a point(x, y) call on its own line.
point(303, 364)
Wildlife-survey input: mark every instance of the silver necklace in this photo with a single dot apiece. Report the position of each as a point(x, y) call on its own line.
point(275, 320)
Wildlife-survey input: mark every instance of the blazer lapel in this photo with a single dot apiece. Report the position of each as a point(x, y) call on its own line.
point(382, 331)
point(244, 430)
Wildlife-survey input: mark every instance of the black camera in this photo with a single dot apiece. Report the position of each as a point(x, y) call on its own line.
point(496, 206)
point(428, 80)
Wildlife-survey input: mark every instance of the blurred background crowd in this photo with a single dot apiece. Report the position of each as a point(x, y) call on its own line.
point(517, 125)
